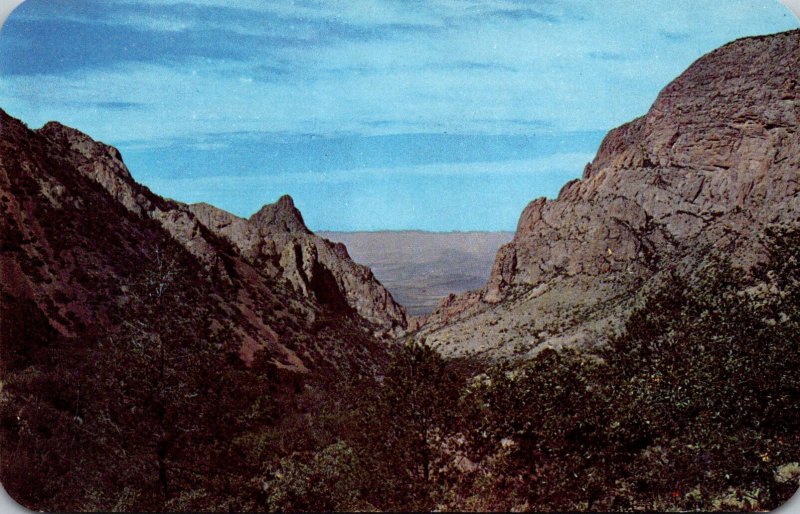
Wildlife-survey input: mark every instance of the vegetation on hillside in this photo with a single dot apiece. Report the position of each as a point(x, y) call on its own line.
point(695, 405)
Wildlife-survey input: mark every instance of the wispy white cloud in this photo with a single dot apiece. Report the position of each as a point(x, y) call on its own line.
point(148, 73)
point(457, 66)
point(196, 187)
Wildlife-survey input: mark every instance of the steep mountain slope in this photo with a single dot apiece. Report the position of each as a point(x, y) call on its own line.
point(131, 332)
point(422, 268)
point(254, 275)
point(715, 160)
point(77, 229)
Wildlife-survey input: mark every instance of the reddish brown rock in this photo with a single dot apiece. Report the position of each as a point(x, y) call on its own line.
point(76, 228)
point(269, 236)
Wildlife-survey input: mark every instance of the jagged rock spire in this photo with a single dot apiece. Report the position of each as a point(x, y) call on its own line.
point(281, 216)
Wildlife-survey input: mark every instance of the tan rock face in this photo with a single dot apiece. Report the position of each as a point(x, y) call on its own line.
point(104, 165)
point(101, 162)
point(716, 156)
point(715, 159)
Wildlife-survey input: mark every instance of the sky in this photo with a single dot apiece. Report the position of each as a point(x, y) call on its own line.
point(373, 114)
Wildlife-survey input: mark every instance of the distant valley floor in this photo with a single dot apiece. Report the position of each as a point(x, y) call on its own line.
point(421, 268)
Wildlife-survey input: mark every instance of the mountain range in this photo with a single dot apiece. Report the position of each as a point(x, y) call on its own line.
point(147, 342)
point(56, 176)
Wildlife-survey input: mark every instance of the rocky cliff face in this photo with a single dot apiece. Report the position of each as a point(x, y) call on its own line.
point(76, 228)
point(715, 159)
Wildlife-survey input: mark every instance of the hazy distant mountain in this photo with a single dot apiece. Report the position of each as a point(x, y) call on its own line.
point(421, 268)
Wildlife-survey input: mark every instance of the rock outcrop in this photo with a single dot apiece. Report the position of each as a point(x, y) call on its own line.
point(716, 159)
point(281, 217)
point(276, 239)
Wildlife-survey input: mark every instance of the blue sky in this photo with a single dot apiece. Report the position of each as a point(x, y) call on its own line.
point(372, 114)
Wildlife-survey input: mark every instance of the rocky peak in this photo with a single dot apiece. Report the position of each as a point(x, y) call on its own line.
point(710, 116)
point(77, 141)
point(100, 162)
point(281, 216)
point(103, 164)
point(279, 242)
